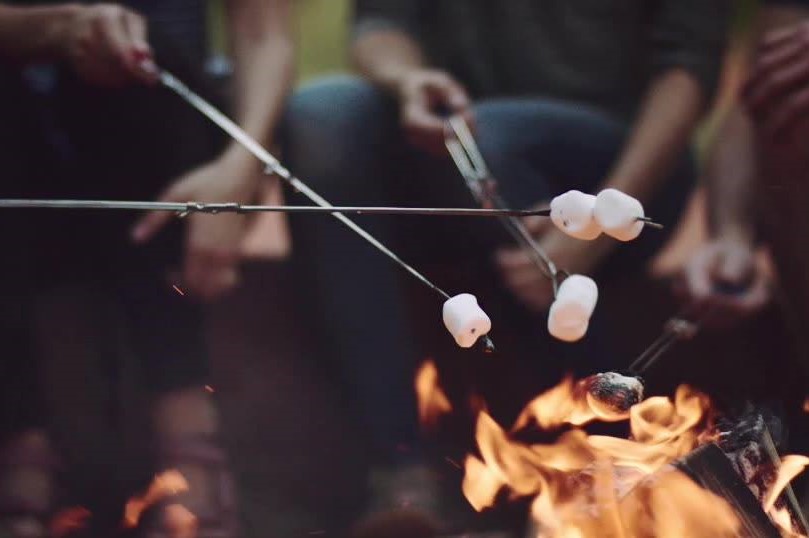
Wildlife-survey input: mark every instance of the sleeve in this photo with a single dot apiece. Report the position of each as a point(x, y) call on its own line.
point(373, 15)
point(692, 35)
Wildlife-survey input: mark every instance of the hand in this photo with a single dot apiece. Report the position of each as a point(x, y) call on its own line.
point(212, 241)
point(523, 277)
point(725, 278)
point(777, 93)
point(106, 45)
point(425, 96)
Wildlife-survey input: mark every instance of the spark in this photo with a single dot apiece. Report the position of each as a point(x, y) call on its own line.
point(178, 290)
point(209, 388)
point(452, 462)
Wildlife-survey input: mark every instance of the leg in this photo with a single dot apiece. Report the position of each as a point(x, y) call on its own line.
point(340, 137)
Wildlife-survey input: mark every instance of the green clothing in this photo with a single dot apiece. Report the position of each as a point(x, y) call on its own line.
point(599, 52)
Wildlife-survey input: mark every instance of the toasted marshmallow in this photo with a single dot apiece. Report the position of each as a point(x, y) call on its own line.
point(569, 316)
point(618, 213)
point(465, 320)
point(573, 213)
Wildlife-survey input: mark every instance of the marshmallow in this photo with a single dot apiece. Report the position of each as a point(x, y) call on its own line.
point(565, 331)
point(572, 212)
point(569, 316)
point(465, 320)
point(617, 214)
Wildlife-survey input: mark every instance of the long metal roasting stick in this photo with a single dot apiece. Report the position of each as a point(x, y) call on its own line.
point(470, 163)
point(275, 167)
point(232, 207)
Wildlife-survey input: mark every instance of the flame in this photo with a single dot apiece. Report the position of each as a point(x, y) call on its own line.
point(433, 403)
point(567, 403)
point(791, 466)
point(163, 485)
point(586, 486)
point(180, 522)
point(69, 520)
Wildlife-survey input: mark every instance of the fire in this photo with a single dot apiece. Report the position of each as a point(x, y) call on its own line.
point(433, 403)
point(164, 485)
point(568, 403)
point(69, 521)
point(588, 486)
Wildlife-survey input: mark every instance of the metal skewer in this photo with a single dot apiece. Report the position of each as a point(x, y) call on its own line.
point(470, 163)
point(273, 166)
point(232, 207)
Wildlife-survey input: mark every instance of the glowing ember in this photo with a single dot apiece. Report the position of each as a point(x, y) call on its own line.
point(432, 401)
point(69, 521)
point(164, 485)
point(806, 405)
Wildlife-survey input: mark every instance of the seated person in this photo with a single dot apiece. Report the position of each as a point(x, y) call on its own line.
point(562, 95)
point(82, 118)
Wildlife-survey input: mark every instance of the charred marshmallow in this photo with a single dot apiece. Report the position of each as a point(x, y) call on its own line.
point(569, 316)
point(465, 320)
point(572, 212)
point(618, 213)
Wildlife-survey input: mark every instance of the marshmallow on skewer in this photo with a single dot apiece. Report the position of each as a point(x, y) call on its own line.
point(572, 212)
point(465, 320)
point(618, 214)
point(569, 316)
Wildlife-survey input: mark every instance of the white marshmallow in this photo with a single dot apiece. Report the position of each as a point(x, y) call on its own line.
point(576, 300)
point(617, 214)
point(565, 330)
point(572, 212)
point(465, 320)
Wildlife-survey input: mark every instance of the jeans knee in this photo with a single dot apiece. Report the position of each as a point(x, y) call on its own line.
point(335, 124)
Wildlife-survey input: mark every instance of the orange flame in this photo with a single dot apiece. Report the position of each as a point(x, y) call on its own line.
point(567, 403)
point(433, 403)
point(586, 486)
point(791, 466)
point(163, 485)
point(180, 522)
point(69, 520)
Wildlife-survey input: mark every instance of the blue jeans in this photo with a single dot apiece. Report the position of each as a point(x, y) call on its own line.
point(342, 136)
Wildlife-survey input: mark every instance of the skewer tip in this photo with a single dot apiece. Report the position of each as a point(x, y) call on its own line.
point(649, 222)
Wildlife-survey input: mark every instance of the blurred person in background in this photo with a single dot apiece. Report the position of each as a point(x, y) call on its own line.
point(82, 117)
point(562, 95)
point(757, 176)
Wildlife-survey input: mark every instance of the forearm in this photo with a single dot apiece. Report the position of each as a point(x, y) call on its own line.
point(662, 132)
point(730, 176)
point(33, 33)
point(387, 56)
point(262, 46)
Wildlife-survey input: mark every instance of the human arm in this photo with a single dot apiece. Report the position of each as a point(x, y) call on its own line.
point(105, 44)
point(387, 53)
point(262, 48)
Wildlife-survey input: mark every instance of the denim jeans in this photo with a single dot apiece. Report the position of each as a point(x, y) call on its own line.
point(342, 136)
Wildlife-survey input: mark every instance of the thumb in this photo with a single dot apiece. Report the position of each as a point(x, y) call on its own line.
point(152, 222)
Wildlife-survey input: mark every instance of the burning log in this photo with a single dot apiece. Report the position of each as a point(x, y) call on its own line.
point(712, 468)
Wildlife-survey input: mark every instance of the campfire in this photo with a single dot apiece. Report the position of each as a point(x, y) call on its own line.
point(684, 471)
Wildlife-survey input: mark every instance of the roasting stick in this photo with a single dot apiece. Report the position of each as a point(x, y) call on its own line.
point(232, 207)
point(470, 163)
point(273, 166)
